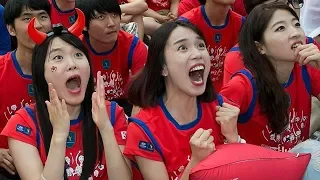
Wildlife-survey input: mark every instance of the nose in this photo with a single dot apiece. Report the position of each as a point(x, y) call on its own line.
point(295, 32)
point(37, 24)
point(110, 21)
point(196, 53)
point(72, 65)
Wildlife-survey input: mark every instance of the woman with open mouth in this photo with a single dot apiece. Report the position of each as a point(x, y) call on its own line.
point(280, 76)
point(178, 106)
point(71, 130)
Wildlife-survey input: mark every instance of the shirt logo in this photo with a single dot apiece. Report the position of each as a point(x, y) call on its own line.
point(146, 146)
point(72, 19)
point(71, 140)
point(106, 64)
point(217, 38)
point(24, 130)
point(30, 90)
point(124, 134)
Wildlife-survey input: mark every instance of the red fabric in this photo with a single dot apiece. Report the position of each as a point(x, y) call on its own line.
point(220, 39)
point(74, 153)
point(256, 130)
point(187, 5)
point(173, 139)
point(158, 5)
point(16, 90)
point(66, 18)
point(245, 161)
point(114, 64)
point(238, 7)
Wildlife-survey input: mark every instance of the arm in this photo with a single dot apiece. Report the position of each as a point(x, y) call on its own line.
point(174, 7)
point(153, 14)
point(28, 163)
point(139, 57)
point(134, 7)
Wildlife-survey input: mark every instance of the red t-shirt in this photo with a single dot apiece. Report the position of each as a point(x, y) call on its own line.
point(66, 18)
point(158, 5)
point(154, 134)
point(220, 39)
point(128, 53)
point(16, 90)
point(23, 128)
point(233, 61)
point(187, 5)
point(253, 125)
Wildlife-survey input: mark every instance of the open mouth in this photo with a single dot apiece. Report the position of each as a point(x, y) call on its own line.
point(196, 74)
point(295, 45)
point(73, 84)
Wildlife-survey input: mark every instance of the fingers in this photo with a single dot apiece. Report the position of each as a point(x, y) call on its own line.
point(306, 53)
point(100, 88)
point(202, 138)
point(7, 162)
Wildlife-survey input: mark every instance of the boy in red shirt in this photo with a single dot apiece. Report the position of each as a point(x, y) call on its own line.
point(15, 67)
point(112, 51)
point(62, 11)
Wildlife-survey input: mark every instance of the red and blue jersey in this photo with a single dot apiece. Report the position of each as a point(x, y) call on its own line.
point(253, 125)
point(219, 39)
point(128, 53)
point(154, 134)
point(233, 61)
point(16, 90)
point(24, 127)
point(66, 18)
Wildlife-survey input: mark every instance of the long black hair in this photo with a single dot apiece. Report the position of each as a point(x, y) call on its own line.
point(273, 99)
point(89, 129)
point(149, 85)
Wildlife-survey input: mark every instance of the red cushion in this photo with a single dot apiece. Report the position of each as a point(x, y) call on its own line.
point(246, 162)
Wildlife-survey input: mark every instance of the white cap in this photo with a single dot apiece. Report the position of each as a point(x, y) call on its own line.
point(310, 17)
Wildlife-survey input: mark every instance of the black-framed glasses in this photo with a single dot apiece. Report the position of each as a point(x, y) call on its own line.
point(296, 4)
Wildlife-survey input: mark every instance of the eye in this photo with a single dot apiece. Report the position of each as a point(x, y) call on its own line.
point(182, 47)
point(202, 45)
point(114, 15)
point(100, 17)
point(78, 55)
point(57, 57)
point(26, 19)
point(297, 24)
point(280, 28)
point(44, 17)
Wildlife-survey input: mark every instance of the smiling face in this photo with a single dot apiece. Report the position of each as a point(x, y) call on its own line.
point(67, 68)
point(282, 35)
point(187, 62)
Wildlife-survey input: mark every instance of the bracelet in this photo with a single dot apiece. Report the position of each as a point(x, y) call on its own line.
point(240, 140)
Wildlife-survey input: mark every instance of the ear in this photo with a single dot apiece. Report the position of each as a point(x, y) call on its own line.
point(11, 30)
point(261, 48)
point(165, 71)
point(85, 28)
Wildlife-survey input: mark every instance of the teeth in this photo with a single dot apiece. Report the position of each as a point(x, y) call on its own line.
point(296, 45)
point(197, 68)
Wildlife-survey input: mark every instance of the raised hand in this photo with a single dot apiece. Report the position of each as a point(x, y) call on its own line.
point(308, 54)
point(58, 113)
point(227, 117)
point(99, 112)
point(201, 144)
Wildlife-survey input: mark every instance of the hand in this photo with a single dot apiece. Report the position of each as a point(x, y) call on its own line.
point(172, 16)
point(6, 161)
point(58, 113)
point(308, 54)
point(202, 145)
point(164, 19)
point(227, 117)
point(99, 112)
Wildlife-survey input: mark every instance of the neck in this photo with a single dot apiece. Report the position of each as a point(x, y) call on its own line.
point(74, 111)
point(181, 106)
point(64, 5)
point(24, 58)
point(99, 46)
point(216, 12)
point(283, 70)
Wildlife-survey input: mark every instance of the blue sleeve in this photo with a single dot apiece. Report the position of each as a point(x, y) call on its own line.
point(5, 45)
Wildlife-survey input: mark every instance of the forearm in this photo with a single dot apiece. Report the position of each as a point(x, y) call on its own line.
point(136, 7)
point(187, 170)
point(114, 157)
point(174, 8)
point(152, 13)
point(54, 166)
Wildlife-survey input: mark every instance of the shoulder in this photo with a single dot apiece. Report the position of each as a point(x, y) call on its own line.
point(192, 14)
point(4, 60)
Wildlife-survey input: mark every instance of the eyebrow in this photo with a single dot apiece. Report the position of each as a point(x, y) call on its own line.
point(31, 14)
point(293, 19)
point(185, 39)
point(55, 50)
